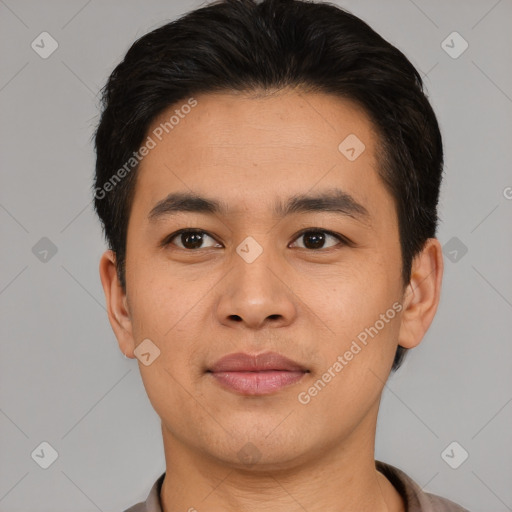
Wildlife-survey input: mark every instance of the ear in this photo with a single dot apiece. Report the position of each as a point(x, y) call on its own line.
point(117, 304)
point(422, 295)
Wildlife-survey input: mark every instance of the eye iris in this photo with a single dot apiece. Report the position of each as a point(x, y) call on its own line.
point(195, 240)
point(317, 237)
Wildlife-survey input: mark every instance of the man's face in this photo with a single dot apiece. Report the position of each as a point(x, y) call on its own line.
point(253, 282)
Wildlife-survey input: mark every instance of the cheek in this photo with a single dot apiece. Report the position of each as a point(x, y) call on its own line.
point(162, 310)
point(168, 311)
point(359, 291)
point(158, 299)
point(361, 309)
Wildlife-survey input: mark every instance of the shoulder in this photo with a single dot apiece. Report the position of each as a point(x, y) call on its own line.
point(152, 503)
point(415, 499)
point(139, 507)
point(440, 504)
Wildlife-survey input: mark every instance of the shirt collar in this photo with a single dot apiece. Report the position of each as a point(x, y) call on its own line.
point(153, 503)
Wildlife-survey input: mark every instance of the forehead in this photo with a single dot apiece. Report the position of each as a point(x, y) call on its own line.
point(245, 148)
point(285, 123)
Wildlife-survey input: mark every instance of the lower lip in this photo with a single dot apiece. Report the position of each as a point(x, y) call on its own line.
point(257, 383)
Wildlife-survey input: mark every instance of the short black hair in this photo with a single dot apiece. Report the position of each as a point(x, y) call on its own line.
point(250, 46)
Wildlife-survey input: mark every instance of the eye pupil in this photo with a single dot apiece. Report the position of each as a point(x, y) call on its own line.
point(196, 240)
point(318, 239)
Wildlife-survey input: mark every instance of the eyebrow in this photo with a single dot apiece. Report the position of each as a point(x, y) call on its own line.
point(333, 200)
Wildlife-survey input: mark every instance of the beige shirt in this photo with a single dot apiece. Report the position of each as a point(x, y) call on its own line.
point(415, 499)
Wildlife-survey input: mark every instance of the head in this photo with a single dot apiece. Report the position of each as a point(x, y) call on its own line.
point(250, 104)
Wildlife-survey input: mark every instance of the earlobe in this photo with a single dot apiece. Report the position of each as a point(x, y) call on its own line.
point(422, 296)
point(117, 310)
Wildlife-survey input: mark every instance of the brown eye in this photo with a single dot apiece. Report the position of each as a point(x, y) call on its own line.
point(193, 239)
point(189, 239)
point(316, 239)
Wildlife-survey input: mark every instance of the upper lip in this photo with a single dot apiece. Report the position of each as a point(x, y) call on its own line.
point(242, 362)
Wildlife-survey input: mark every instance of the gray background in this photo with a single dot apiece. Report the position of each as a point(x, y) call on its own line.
point(63, 379)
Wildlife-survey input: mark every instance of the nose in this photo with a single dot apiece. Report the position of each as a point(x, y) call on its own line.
point(256, 295)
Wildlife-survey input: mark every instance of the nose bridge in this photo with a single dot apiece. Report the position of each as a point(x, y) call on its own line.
point(253, 292)
point(251, 268)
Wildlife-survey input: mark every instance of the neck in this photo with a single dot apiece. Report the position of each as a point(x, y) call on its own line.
point(342, 478)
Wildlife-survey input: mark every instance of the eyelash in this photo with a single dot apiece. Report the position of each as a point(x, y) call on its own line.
point(342, 239)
